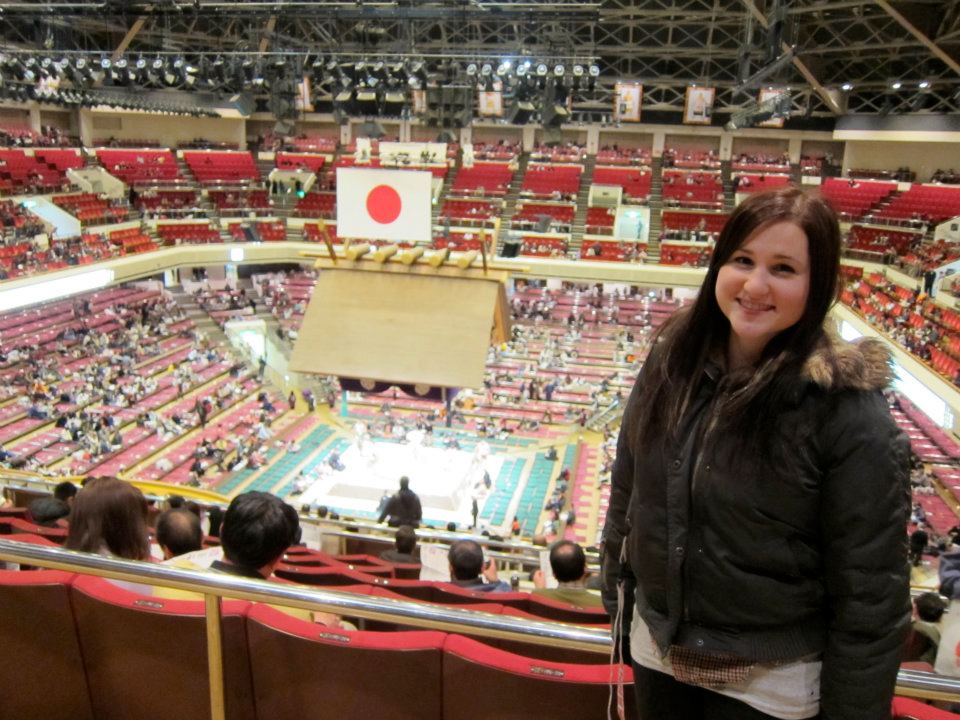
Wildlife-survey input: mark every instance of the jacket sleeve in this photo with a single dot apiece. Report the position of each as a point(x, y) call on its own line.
point(865, 503)
point(616, 526)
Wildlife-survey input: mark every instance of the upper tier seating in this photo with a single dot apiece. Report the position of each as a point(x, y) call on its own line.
point(295, 161)
point(317, 204)
point(483, 179)
point(881, 240)
point(90, 209)
point(188, 233)
point(634, 181)
point(272, 231)
point(569, 152)
point(62, 159)
point(313, 144)
point(690, 159)
point(811, 166)
point(623, 156)
point(140, 166)
point(496, 151)
point(548, 180)
point(600, 220)
point(929, 203)
point(240, 199)
point(470, 210)
point(697, 189)
point(854, 198)
point(686, 255)
point(758, 183)
point(158, 200)
point(20, 172)
point(613, 251)
point(761, 163)
point(708, 222)
point(212, 166)
point(528, 214)
point(539, 246)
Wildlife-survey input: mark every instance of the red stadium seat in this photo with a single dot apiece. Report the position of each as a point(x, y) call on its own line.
point(481, 682)
point(906, 709)
point(152, 663)
point(41, 669)
point(302, 670)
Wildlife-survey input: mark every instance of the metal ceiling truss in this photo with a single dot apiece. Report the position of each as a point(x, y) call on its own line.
point(665, 44)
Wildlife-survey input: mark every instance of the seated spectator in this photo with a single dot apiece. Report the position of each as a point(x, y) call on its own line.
point(109, 517)
point(950, 572)
point(65, 492)
point(569, 565)
point(924, 638)
point(47, 511)
point(466, 562)
point(257, 530)
point(178, 532)
point(405, 542)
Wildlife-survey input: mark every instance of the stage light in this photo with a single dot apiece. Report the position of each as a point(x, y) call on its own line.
point(486, 70)
point(847, 87)
point(503, 68)
point(594, 71)
point(896, 85)
point(578, 70)
point(472, 69)
point(558, 70)
point(542, 69)
point(924, 84)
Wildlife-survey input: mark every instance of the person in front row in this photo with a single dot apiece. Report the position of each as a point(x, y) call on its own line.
point(569, 565)
point(257, 530)
point(466, 562)
point(178, 532)
point(405, 542)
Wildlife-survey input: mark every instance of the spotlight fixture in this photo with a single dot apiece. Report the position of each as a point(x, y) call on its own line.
point(542, 69)
point(472, 69)
point(896, 85)
point(558, 70)
point(578, 70)
point(503, 68)
point(594, 71)
point(847, 87)
point(924, 84)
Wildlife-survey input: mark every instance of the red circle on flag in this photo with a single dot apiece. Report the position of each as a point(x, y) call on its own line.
point(383, 204)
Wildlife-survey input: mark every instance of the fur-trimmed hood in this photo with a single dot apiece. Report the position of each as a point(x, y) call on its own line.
point(836, 364)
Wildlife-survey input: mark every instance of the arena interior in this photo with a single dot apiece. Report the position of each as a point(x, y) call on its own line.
point(171, 214)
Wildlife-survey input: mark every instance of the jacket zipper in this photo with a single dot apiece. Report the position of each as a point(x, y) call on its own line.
point(712, 419)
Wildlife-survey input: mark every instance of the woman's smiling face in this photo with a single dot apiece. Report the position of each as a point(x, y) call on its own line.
point(762, 289)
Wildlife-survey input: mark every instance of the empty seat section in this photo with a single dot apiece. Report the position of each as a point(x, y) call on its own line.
point(929, 203)
point(600, 220)
point(751, 183)
point(528, 214)
point(154, 200)
point(240, 199)
point(483, 179)
point(708, 222)
point(41, 669)
point(547, 180)
point(140, 166)
point(152, 663)
point(854, 198)
point(691, 256)
point(481, 682)
point(302, 669)
point(699, 189)
point(317, 204)
point(21, 171)
point(634, 181)
point(210, 166)
point(296, 161)
point(189, 233)
point(469, 210)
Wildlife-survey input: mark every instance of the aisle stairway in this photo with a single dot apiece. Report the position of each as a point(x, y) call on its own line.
point(656, 210)
point(583, 199)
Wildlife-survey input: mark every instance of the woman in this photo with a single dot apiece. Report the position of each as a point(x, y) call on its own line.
point(762, 491)
point(109, 517)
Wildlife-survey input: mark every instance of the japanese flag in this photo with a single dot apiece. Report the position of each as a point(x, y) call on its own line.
point(383, 204)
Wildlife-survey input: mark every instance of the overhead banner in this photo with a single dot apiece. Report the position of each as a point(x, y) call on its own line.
point(698, 106)
point(626, 102)
point(768, 94)
point(490, 103)
point(383, 204)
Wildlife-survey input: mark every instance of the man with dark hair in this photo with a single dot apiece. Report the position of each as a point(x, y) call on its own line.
point(257, 529)
point(403, 508)
point(46, 511)
point(466, 562)
point(65, 492)
point(178, 532)
point(569, 565)
point(404, 544)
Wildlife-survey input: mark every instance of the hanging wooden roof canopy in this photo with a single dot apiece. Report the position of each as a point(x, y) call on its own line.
point(403, 318)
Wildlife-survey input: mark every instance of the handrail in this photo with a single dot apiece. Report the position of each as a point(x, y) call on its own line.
point(910, 683)
point(431, 617)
